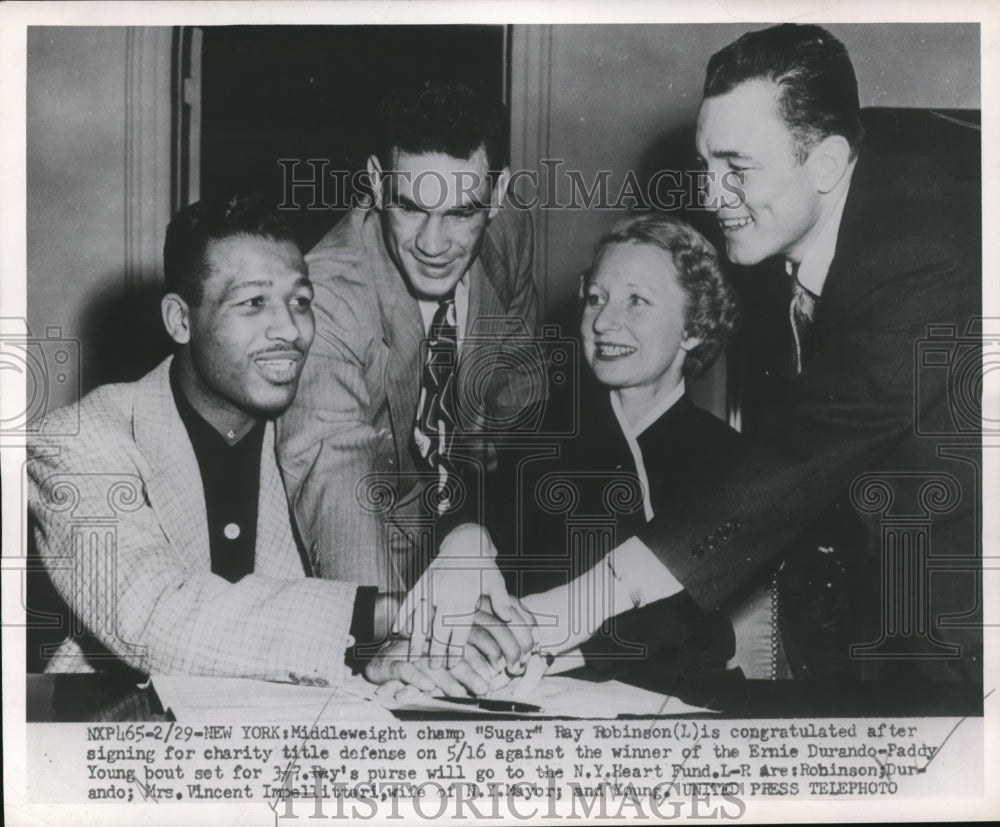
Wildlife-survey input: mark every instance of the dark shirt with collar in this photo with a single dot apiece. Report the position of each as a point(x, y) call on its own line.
point(230, 477)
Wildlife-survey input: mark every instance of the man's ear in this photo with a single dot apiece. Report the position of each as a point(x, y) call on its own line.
point(176, 318)
point(828, 162)
point(499, 192)
point(375, 177)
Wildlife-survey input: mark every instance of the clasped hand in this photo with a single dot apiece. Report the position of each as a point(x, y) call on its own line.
point(440, 608)
point(494, 651)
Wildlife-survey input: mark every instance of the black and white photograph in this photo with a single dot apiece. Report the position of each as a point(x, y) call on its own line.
point(431, 411)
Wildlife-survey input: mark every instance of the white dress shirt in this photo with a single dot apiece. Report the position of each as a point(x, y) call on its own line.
point(428, 307)
point(815, 264)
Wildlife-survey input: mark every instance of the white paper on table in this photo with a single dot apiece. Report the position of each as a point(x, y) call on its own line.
point(574, 698)
point(243, 700)
point(562, 697)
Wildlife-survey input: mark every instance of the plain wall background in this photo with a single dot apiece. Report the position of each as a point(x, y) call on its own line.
point(76, 181)
point(98, 197)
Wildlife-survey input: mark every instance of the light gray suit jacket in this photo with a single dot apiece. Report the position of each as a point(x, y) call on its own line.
point(122, 528)
point(345, 444)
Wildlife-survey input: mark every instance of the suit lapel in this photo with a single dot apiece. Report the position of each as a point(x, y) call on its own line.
point(403, 332)
point(276, 553)
point(174, 484)
point(486, 311)
point(486, 326)
point(403, 340)
point(842, 286)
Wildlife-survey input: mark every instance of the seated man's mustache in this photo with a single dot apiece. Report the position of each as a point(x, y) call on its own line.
point(285, 350)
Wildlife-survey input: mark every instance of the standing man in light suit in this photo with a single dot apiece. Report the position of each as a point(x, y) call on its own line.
point(418, 296)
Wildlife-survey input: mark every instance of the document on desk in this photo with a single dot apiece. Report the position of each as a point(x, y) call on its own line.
point(243, 700)
point(238, 700)
point(559, 697)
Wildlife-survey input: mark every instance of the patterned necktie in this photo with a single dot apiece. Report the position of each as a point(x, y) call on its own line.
point(434, 429)
point(801, 313)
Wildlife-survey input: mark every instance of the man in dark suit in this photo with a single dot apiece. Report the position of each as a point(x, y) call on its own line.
point(881, 254)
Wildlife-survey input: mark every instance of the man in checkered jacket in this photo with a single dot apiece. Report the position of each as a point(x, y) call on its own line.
point(162, 519)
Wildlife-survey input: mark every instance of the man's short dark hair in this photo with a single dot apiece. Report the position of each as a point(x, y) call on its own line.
point(711, 312)
point(453, 118)
point(213, 219)
point(818, 88)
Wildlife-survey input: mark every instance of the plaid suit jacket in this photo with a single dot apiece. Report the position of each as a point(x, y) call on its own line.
point(121, 524)
point(345, 443)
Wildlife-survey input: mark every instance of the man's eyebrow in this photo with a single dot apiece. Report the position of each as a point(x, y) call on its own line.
point(245, 284)
point(729, 154)
point(405, 201)
point(473, 204)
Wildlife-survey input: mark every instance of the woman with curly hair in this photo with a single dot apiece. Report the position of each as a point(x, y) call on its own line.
point(656, 311)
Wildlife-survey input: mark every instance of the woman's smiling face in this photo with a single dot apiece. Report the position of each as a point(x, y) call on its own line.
point(633, 318)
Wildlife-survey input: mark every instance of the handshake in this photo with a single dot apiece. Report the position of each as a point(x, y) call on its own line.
point(458, 632)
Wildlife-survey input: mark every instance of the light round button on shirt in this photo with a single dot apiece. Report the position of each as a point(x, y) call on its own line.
point(232, 531)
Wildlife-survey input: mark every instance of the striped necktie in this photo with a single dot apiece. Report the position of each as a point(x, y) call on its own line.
point(801, 313)
point(434, 429)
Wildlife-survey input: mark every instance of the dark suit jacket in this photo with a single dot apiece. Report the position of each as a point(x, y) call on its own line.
point(578, 505)
point(869, 414)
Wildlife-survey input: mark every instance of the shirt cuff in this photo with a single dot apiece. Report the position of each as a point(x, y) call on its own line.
point(640, 577)
point(361, 639)
point(473, 540)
